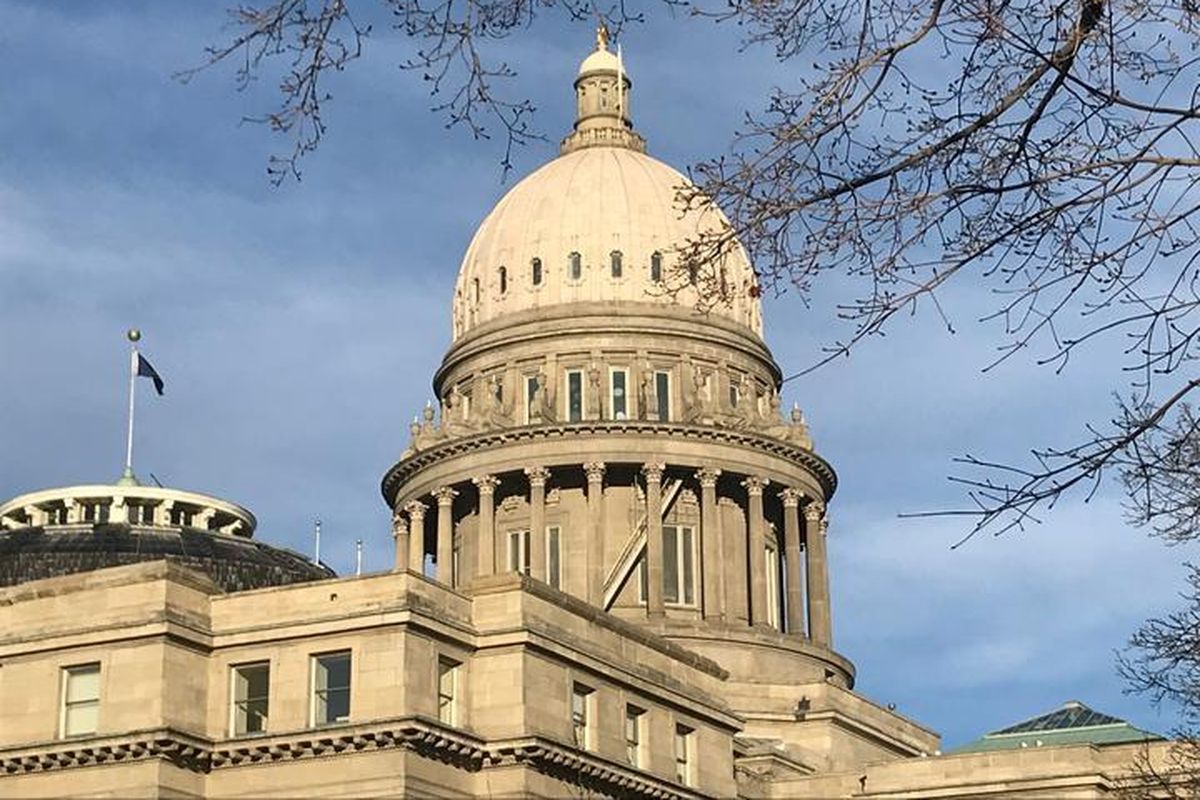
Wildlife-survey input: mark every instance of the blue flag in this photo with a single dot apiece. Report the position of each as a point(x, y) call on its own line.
point(144, 370)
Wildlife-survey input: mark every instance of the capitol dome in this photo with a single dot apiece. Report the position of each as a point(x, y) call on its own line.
point(599, 224)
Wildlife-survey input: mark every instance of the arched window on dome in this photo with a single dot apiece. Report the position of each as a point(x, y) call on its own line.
point(693, 274)
point(475, 291)
point(656, 267)
point(575, 266)
point(535, 267)
point(503, 280)
point(615, 260)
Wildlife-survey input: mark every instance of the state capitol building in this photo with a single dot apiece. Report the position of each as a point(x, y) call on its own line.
point(610, 580)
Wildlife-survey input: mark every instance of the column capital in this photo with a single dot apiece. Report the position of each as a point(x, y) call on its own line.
point(654, 471)
point(415, 508)
point(445, 495)
point(814, 511)
point(791, 497)
point(399, 525)
point(754, 485)
point(486, 483)
point(594, 470)
point(537, 476)
point(708, 477)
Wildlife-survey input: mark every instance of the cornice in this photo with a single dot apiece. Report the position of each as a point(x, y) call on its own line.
point(420, 735)
point(403, 471)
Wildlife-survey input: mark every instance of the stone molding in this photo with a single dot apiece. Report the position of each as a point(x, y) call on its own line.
point(403, 471)
point(420, 735)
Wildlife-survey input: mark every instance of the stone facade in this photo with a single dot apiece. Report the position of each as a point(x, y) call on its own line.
point(610, 571)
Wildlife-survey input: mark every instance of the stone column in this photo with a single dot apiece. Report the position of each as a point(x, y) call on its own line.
point(711, 544)
point(791, 550)
point(756, 549)
point(654, 551)
point(445, 535)
point(595, 531)
point(819, 624)
point(416, 535)
point(537, 521)
point(400, 539)
point(486, 546)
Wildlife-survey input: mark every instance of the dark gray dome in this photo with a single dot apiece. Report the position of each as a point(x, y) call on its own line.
point(234, 563)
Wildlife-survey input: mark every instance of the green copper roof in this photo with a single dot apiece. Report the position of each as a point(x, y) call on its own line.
point(1074, 723)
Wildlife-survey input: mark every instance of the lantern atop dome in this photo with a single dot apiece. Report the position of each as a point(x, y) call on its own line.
point(602, 87)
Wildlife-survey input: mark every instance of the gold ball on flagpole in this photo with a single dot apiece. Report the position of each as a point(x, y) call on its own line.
point(133, 334)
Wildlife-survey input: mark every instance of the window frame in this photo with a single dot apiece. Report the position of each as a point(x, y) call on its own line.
point(635, 752)
point(656, 267)
point(236, 703)
point(521, 536)
point(574, 266)
point(315, 662)
point(582, 714)
point(685, 563)
point(612, 393)
point(616, 265)
point(662, 379)
point(685, 765)
point(773, 567)
point(66, 705)
point(567, 411)
point(448, 711)
point(502, 280)
point(531, 387)
point(535, 271)
point(553, 555)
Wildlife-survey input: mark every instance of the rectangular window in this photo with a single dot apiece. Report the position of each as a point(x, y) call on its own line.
point(531, 387)
point(518, 552)
point(554, 556)
point(772, 567)
point(80, 700)
point(575, 395)
point(448, 671)
point(633, 735)
point(679, 564)
point(581, 715)
point(662, 392)
point(251, 687)
point(683, 754)
point(735, 394)
point(330, 688)
point(618, 394)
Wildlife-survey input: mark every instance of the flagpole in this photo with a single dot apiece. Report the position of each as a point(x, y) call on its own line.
point(133, 334)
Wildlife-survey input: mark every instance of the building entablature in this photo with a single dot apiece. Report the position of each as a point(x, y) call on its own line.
point(143, 506)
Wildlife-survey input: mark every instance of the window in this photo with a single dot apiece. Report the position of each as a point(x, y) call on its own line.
point(662, 392)
point(503, 280)
point(618, 393)
point(531, 387)
point(693, 274)
point(80, 700)
point(535, 268)
point(679, 564)
point(448, 670)
point(141, 513)
point(615, 263)
point(98, 512)
point(735, 394)
point(656, 267)
point(683, 754)
point(554, 556)
point(772, 556)
point(581, 702)
point(575, 266)
point(181, 517)
point(633, 735)
point(574, 395)
point(475, 290)
point(330, 688)
point(518, 552)
point(251, 687)
point(56, 515)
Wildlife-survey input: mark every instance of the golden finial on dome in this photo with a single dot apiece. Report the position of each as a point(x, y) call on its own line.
point(601, 36)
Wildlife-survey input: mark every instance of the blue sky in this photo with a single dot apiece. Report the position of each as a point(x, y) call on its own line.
point(298, 328)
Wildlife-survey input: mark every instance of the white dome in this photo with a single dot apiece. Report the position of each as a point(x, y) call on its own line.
point(594, 201)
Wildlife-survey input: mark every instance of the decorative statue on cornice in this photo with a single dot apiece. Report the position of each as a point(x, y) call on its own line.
point(647, 402)
point(593, 395)
point(495, 413)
